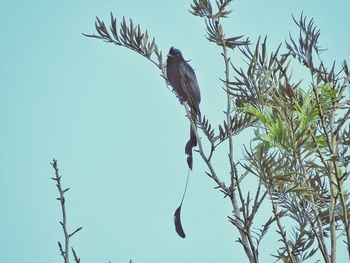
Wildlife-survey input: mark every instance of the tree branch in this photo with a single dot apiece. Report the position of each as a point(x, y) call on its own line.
point(64, 250)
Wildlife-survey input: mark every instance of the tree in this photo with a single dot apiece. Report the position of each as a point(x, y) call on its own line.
point(299, 152)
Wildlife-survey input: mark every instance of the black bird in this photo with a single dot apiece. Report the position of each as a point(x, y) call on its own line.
point(182, 78)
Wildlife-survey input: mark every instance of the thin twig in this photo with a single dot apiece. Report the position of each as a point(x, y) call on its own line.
point(321, 237)
point(213, 175)
point(57, 178)
point(282, 231)
point(321, 244)
point(76, 258)
point(64, 250)
point(342, 122)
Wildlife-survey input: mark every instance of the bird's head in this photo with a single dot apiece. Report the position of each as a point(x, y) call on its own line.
point(175, 53)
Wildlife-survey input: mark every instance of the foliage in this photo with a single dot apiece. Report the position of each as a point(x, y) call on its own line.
point(300, 151)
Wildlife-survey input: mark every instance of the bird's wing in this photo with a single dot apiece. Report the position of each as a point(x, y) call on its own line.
point(190, 85)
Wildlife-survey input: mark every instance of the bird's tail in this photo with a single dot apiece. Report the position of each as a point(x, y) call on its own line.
point(177, 214)
point(192, 142)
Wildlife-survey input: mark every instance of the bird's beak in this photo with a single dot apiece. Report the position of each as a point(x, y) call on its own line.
point(169, 55)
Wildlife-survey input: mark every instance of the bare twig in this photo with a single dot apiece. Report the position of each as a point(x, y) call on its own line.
point(76, 258)
point(64, 250)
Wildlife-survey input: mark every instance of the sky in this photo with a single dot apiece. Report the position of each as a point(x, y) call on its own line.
point(118, 134)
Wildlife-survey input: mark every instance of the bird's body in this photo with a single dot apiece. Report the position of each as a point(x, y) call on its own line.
point(182, 78)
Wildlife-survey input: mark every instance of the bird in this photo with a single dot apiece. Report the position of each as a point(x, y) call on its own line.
point(182, 78)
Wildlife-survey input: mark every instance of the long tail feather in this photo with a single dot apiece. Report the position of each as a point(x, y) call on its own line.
point(177, 215)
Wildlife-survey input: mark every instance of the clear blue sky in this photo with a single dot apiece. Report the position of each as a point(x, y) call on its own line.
point(116, 130)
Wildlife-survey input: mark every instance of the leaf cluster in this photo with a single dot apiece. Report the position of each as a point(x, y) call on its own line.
point(130, 36)
point(215, 32)
point(300, 151)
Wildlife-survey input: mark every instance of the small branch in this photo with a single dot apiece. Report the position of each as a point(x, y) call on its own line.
point(257, 202)
point(64, 250)
point(130, 37)
point(75, 231)
point(319, 152)
point(344, 86)
point(212, 149)
point(321, 245)
point(322, 117)
point(320, 237)
point(342, 122)
point(282, 231)
point(213, 175)
point(76, 258)
point(57, 178)
point(61, 249)
point(246, 237)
